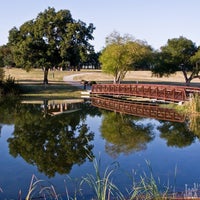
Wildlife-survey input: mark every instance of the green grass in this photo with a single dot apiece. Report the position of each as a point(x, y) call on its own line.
point(31, 83)
point(50, 90)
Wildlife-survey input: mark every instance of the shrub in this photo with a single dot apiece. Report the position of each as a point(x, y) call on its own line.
point(1, 74)
point(9, 87)
point(92, 82)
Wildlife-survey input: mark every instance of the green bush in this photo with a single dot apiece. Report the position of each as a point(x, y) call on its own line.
point(1, 74)
point(9, 87)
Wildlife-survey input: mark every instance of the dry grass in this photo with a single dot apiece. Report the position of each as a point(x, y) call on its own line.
point(32, 82)
point(36, 75)
point(138, 76)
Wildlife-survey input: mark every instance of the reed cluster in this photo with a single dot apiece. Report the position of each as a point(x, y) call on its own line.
point(147, 188)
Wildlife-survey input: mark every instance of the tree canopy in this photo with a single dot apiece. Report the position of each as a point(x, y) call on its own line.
point(122, 53)
point(6, 57)
point(179, 54)
point(52, 39)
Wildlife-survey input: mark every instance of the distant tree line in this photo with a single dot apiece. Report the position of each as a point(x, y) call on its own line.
point(55, 40)
point(124, 53)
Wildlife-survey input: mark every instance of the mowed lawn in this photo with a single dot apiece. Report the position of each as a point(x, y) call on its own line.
point(32, 82)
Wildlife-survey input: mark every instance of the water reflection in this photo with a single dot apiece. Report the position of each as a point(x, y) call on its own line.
point(177, 134)
point(53, 144)
point(123, 134)
point(143, 109)
point(46, 133)
point(126, 135)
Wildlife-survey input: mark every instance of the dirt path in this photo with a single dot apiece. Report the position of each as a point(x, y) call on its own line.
point(76, 82)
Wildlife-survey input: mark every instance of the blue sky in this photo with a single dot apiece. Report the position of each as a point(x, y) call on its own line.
point(154, 21)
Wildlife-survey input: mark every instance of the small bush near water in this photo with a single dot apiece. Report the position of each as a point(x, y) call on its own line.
point(9, 87)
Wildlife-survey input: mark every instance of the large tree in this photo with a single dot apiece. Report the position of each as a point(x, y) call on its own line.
point(179, 54)
point(121, 54)
point(52, 39)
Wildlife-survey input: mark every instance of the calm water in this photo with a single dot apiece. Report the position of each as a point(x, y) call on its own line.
point(53, 143)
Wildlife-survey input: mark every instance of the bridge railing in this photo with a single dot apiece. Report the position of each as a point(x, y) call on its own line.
point(152, 91)
point(138, 109)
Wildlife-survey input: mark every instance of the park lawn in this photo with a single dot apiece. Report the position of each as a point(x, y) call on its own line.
point(32, 85)
point(32, 82)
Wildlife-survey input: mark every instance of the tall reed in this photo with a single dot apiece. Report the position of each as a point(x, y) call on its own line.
point(147, 188)
point(194, 106)
point(102, 185)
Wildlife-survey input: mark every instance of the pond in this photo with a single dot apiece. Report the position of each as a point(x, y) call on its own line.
point(55, 141)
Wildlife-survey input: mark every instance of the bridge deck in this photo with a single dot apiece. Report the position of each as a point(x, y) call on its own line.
point(152, 91)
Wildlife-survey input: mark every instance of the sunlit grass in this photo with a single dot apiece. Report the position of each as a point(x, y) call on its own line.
point(103, 187)
point(31, 83)
point(147, 188)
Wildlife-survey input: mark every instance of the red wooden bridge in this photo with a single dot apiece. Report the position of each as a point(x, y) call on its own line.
point(138, 109)
point(151, 91)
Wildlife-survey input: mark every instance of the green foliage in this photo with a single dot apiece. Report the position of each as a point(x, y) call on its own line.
point(6, 56)
point(180, 54)
point(1, 74)
point(9, 87)
point(122, 54)
point(52, 39)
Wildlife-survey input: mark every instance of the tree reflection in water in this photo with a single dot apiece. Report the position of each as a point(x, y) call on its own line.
point(177, 134)
point(123, 134)
point(53, 144)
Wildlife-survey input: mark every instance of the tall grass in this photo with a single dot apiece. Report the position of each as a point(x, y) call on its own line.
point(102, 185)
point(194, 104)
point(147, 188)
point(38, 189)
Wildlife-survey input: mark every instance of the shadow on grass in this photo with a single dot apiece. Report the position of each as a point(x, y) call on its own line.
point(29, 81)
point(52, 89)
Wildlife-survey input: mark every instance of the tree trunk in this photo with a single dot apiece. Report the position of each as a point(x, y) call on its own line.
point(187, 80)
point(46, 70)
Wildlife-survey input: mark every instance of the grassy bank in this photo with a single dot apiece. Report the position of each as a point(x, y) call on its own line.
point(32, 85)
point(32, 82)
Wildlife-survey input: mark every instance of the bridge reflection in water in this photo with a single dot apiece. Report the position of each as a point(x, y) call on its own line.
point(148, 110)
point(56, 107)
